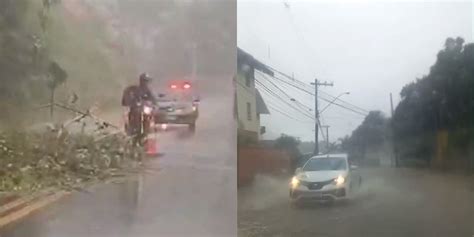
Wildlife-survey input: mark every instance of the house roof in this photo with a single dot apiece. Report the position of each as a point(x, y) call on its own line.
point(243, 56)
point(261, 106)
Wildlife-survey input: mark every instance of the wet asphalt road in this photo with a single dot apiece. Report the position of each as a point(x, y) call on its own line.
point(189, 191)
point(394, 203)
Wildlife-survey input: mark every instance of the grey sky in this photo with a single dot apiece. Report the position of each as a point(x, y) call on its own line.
point(369, 48)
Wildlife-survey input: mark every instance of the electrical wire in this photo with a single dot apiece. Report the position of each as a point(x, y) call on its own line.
point(279, 98)
point(275, 107)
point(303, 106)
point(304, 84)
point(324, 99)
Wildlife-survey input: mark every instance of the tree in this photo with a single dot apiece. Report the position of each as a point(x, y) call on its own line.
point(372, 133)
point(57, 77)
point(441, 100)
point(289, 144)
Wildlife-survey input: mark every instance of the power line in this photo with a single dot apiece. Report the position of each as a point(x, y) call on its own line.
point(309, 51)
point(343, 101)
point(305, 84)
point(327, 100)
point(279, 98)
point(297, 87)
point(287, 115)
point(342, 106)
point(317, 119)
point(287, 76)
point(287, 95)
point(273, 106)
point(274, 103)
point(287, 103)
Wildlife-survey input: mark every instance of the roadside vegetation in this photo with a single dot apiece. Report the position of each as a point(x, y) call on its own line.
point(47, 55)
point(32, 161)
point(433, 125)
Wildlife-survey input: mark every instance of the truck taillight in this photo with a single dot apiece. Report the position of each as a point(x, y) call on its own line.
point(186, 86)
point(174, 86)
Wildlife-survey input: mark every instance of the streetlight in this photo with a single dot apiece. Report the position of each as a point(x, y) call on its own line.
point(330, 103)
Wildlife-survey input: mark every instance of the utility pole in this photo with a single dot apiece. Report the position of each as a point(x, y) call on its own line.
point(194, 61)
point(327, 137)
point(395, 155)
point(316, 112)
point(391, 104)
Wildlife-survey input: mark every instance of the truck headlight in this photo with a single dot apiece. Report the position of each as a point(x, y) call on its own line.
point(295, 182)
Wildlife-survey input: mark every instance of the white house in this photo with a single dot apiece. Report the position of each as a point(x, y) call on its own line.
point(249, 103)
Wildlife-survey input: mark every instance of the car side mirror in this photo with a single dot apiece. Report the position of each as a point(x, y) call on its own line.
point(298, 170)
point(354, 167)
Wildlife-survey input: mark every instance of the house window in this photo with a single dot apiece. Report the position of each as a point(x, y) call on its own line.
point(249, 112)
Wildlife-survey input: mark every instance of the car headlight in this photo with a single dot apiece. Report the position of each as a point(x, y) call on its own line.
point(147, 110)
point(295, 182)
point(339, 180)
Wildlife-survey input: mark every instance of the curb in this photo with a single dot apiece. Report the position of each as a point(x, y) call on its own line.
point(20, 208)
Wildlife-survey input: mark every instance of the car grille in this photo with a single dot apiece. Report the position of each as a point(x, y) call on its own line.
point(316, 185)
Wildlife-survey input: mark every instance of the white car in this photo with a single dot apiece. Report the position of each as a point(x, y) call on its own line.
point(325, 178)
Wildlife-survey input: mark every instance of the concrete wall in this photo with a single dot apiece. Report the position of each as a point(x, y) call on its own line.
point(257, 160)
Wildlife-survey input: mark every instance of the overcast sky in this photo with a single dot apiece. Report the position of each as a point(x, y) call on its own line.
point(368, 48)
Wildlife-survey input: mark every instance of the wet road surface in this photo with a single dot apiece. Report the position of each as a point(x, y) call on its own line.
point(189, 191)
point(394, 202)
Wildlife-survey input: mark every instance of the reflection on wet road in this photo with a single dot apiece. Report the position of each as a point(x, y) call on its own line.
point(393, 203)
point(189, 191)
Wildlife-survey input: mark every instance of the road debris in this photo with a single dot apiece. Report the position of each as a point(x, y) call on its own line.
point(60, 159)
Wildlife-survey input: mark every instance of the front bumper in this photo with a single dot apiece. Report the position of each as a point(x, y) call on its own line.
point(333, 193)
point(177, 118)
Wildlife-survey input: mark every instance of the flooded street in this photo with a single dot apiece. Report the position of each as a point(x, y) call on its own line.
point(394, 202)
point(188, 191)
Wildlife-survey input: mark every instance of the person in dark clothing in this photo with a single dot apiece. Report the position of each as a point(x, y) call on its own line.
point(133, 97)
point(134, 94)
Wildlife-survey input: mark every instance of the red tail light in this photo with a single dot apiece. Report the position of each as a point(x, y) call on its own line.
point(186, 86)
point(174, 86)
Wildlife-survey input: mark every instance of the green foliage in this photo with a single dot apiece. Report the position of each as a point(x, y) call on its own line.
point(288, 143)
point(37, 34)
point(441, 100)
point(372, 133)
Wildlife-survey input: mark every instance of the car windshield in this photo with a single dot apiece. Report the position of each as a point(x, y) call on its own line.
point(325, 164)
